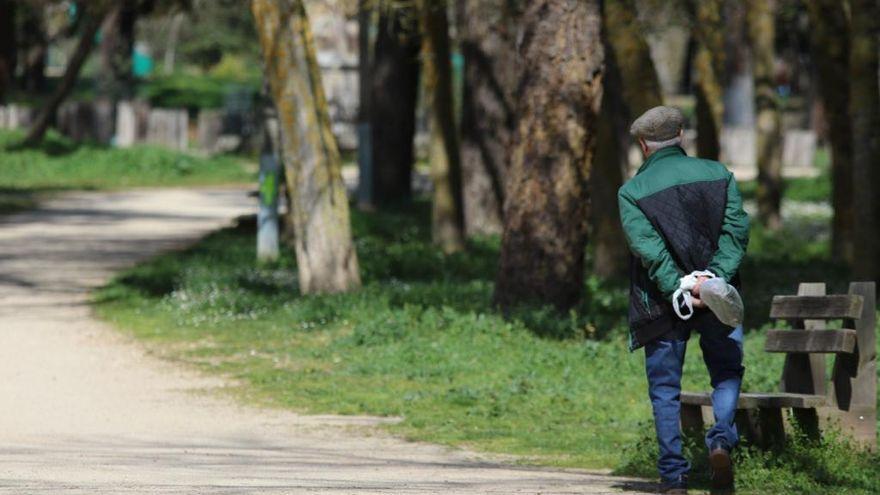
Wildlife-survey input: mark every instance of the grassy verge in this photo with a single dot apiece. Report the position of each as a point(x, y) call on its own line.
point(58, 164)
point(421, 341)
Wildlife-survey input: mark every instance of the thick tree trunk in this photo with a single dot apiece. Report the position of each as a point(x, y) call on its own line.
point(760, 21)
point(488, 44)
point(8, 45)
point(829, 47)
point(71, 72)
point(393, 96)
point(325, 254)
point(631, 88)
point(558, 96)
point(865, 111)
point(447, 220)
point(709, 67)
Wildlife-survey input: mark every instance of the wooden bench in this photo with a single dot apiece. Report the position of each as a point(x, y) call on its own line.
point(847, 398)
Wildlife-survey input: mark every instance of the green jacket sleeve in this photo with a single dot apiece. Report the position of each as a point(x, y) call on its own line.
point(734, 235)
point(646, 243)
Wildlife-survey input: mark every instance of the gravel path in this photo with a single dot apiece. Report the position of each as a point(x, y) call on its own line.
point(86, 411)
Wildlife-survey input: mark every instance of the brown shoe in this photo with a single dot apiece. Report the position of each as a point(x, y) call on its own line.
point(722, 469)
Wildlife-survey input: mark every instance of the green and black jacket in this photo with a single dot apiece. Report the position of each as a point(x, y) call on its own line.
point(679, 214)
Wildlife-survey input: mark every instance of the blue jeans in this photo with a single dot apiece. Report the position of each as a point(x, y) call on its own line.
point(664, 359)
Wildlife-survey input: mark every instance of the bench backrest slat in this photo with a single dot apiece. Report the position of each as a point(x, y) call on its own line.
point(833, 307)
point(829, 341)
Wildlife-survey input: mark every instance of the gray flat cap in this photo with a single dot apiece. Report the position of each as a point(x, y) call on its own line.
point(658, 124)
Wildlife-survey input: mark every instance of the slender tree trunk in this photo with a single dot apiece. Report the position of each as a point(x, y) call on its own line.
point(325, 254)
point(71, 72)
point(447, 224)
point(393, 98)
point(631, 88)
point(365, 138)
point(8, 45)
point(709, 67)
point(488, 44)
point(35, 45)
point(117, 45)
point(829, 47)
point(865, 111)
point(546, 208)
point(170, 56)
point(760, 21)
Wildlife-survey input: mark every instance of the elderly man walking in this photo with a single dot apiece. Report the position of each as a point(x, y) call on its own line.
point(685, 224)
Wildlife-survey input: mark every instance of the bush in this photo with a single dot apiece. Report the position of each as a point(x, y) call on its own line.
point(197, 91)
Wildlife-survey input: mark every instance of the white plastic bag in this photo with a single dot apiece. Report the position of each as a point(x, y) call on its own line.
point(724, 300)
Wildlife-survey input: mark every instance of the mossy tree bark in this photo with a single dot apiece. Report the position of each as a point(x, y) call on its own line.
point(447, 217)
point(708, 63)
point(325, 254)
point(488, 44)
point(631, 88)
point(95, 16)
point(760, 22)
point(865, 112)
point(393, 96)
point(829, 47)
point(559, 91)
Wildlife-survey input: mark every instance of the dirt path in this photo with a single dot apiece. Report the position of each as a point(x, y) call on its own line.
point(84, 411)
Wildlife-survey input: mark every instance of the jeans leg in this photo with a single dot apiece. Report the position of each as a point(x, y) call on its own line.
point(664, 359)
point(723, 354)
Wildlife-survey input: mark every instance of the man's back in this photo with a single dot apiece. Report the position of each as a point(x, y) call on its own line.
point(680, 214)
point(684, 199)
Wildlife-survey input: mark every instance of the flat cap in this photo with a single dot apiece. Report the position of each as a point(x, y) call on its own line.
point(658, 124)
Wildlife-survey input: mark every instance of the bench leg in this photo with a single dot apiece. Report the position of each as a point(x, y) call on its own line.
point(747, 426)
point(808, 422)
point(692, 419)
point(772, 428)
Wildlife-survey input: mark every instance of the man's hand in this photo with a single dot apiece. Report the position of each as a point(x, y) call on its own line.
point(695, 292)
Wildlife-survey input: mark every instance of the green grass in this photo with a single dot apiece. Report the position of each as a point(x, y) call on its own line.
point(421, 341)
point(27, 174)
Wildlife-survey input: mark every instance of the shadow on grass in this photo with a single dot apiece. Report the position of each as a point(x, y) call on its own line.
point(52, 144)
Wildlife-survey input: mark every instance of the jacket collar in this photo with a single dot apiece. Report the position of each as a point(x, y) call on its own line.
point(660, 154)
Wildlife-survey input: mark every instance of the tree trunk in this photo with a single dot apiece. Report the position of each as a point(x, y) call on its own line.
point(558, 96)
point(117, 45)
point(364, 133)
point(865, 111)
point(393, 96)
point(35, 46)
point(325, 254)
point(170, 57)
point(709, 67)
point(8, 52)
point(760, 21)
point(488, 44)
point(447, 220)
point(71, 72)
point(631, 88)
point(829, 47)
